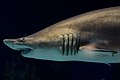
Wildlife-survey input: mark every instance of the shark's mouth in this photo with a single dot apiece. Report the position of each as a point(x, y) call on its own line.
point(24, 50)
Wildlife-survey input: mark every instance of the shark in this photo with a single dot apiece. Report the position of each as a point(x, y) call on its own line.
point(89, 37)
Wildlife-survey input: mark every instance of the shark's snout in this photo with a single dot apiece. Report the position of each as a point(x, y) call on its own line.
point(15, 44)
point(9, 42)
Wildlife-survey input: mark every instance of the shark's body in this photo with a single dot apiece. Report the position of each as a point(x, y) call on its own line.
point(90, 37)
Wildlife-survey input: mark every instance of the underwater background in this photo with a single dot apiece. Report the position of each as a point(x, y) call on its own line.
point(21, 18)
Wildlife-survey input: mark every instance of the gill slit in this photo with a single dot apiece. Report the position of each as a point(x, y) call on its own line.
point(70, 44)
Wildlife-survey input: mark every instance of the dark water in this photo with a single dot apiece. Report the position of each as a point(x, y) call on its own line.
point(18, 19)
point(18, 68)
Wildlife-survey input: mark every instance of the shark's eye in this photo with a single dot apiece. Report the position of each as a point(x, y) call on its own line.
point(22, 39)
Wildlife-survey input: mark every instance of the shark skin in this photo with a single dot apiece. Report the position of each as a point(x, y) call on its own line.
point(90, 37)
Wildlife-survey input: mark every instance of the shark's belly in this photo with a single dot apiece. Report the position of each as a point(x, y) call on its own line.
point(84, 55)
point(99, 57)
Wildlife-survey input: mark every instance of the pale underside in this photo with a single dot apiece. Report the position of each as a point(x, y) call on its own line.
point(82, 55)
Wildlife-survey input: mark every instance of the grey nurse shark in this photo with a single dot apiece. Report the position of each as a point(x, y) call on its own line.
point(90, 37)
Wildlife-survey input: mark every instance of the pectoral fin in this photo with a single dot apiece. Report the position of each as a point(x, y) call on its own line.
point(93, 47)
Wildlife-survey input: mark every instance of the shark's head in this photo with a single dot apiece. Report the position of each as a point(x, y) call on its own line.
point(46, 44)
point(21, 44)
point(33, 47)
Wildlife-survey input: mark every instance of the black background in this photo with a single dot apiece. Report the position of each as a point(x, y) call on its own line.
point(21, 18)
